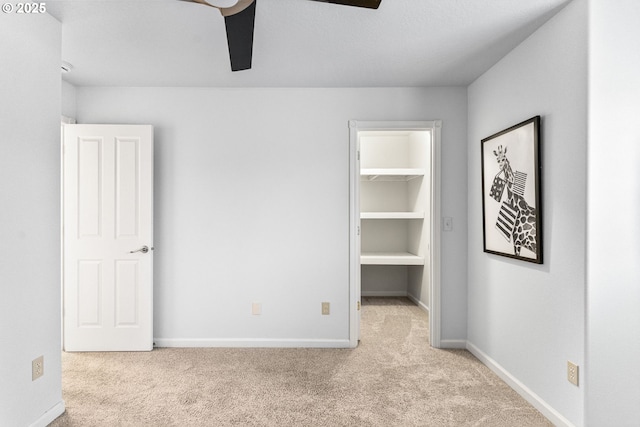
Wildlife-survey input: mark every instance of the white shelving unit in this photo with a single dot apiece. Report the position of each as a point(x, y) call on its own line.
point(391, 215)
point(391, 174)
point(394, 210)
point(390, 258)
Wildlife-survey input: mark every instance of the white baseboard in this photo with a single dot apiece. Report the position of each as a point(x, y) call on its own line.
point(453, 344)
point(552, 415)
point(383, 293)
point(48, 417)
point(249, 343)
point(417, 302)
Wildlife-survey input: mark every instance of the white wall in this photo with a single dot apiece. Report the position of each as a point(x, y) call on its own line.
point(252, 204)
point(613, 273)
point(528, 319)
point(30, 47)
point(68, 100)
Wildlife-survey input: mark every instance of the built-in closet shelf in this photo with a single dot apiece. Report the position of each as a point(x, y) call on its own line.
point(390, 258)
point(391, 174)
point(392, 215)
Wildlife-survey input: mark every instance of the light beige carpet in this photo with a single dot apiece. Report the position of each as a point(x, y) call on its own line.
point(392, 379)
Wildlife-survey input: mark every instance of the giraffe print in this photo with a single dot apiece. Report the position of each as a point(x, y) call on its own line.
point(524, 234)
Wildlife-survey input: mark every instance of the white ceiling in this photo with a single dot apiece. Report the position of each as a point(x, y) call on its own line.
point(297, 43)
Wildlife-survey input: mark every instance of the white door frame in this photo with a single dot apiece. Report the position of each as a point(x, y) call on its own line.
point(356, 126)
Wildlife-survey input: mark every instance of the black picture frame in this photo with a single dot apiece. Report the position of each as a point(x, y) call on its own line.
point(511, 200)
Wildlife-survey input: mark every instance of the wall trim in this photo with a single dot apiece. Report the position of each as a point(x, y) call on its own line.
point(249, 343)
point(417, 302)
point(453, 344)
point(384, 294)
point(49, 416)
point(552, 415)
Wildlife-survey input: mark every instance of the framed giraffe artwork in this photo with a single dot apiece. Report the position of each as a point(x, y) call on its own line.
point(511, 211)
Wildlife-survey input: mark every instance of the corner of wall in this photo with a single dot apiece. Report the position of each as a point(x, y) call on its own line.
point(30, 220)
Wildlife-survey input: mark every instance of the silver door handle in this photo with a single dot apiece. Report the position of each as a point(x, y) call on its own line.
point(143, 249)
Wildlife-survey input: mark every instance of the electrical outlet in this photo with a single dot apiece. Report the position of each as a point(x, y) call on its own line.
point(37, 368)
point(572, 373)
point(256, 308)
point(326, 308)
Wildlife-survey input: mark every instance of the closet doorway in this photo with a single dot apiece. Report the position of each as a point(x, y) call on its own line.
point(395, 216)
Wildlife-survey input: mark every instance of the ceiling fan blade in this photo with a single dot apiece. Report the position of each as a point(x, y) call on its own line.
point(371, 4)
point(240, 37)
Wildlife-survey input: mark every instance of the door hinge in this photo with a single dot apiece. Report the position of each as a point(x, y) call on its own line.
point(358, 230)
point(358, 305)
point(358, 155)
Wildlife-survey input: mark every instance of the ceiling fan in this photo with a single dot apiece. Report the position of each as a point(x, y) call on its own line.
point(239, 18)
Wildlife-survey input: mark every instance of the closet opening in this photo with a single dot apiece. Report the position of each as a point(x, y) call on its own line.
point(395, 202)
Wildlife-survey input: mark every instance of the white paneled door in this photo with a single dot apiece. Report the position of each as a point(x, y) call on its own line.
point(108, 237)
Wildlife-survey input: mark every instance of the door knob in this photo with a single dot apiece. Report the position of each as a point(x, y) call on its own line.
point(143, 249)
